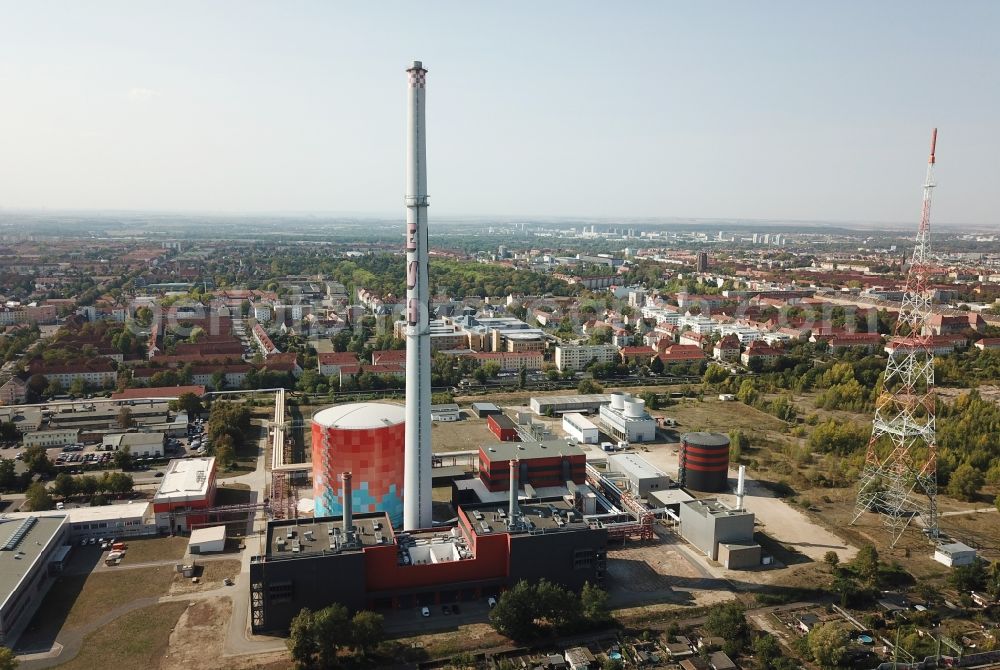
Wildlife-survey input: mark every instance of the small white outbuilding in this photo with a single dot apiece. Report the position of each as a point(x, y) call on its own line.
point(954, 554)
point(207, 540)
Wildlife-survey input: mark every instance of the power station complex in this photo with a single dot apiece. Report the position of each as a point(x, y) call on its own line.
point(535, 509)
point(375, 459)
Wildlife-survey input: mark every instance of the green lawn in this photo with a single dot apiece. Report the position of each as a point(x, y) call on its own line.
point(74, 600)
point(137, 640)
point(106, 590)
point(148, 550)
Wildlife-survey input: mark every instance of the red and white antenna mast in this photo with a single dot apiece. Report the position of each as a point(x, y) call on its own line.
point(901, 461)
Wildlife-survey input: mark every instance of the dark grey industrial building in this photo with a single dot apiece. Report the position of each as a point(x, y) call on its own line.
point(314, 563)
point(720, 532)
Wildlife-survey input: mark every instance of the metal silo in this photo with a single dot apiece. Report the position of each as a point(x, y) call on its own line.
point(365, 439)
point(704, 462)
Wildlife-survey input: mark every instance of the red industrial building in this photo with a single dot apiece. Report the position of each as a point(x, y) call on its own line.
point(542, 464)
point(188, 484)
point(503, 427)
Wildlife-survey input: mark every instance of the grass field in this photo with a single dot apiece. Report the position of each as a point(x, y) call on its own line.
point(136, 641)
point(148, 550)
point(460, 435)
point(74, 600)
point(714, 415)
point(106, 590)
point(237, 469)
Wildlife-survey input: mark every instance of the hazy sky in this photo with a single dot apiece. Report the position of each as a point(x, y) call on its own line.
point(779, 110)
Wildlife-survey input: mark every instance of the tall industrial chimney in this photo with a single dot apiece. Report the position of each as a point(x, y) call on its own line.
point(417, 478)
point(347, 493)
point(515, 471)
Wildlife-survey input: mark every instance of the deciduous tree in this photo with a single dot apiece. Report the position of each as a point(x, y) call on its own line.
point(727, 621)
point(190, 403)
point(589, 386)
point(124, 419)
point(594, 602)
point(366, 631)
point(301, 642)
point(866, 564)
point(38, 497)
point(7, 659)
point(123, 458)
point(64, 485)
point(828, 644)
point(965, 482)
point(8, 473)
point(514, 614)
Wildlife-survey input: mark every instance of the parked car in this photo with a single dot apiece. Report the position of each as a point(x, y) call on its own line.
point(425, 611)
point(492, 602)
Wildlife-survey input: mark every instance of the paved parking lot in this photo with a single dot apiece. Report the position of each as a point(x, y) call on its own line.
point(79, 459)
point(410, 620)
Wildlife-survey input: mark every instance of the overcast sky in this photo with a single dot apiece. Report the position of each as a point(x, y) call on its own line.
point(768, 110)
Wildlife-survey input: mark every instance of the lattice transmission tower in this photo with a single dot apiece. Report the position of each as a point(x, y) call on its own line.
point(899, 479)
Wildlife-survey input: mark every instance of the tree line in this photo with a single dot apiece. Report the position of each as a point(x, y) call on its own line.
point(531, 610)
point(319, 640)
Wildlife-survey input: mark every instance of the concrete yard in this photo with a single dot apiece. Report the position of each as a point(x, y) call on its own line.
point(774, 516)
point(789, 526)
point(661, 572)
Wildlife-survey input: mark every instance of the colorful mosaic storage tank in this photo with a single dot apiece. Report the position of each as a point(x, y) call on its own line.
point(365, 439)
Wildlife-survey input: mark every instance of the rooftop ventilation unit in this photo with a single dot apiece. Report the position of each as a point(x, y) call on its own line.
point(18, 535)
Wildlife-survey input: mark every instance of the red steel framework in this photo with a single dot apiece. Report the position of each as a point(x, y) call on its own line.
point(901, 459)
point(641, 524)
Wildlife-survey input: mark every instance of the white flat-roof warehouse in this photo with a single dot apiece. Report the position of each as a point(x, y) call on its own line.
point(129, 519)
point(185, 479)
point(28, 547)
point(643, 477)
point(580, 428)
point(560, 404)
point(139, 444)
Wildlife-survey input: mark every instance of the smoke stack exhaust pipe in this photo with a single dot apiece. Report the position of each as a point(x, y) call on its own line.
point(515, 471)
point(348, 511)
point(741, 487)
point(417, 509)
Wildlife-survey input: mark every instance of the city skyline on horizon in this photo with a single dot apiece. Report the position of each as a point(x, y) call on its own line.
point(677, 113)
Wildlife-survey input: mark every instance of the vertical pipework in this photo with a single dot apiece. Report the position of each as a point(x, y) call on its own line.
point(515, 471)
point(347, 491)
point(417, 477)
point(741, 487)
